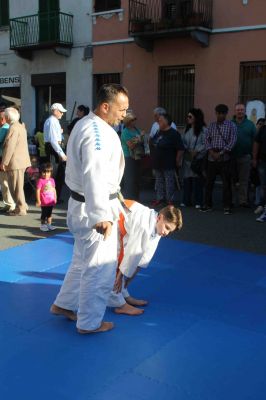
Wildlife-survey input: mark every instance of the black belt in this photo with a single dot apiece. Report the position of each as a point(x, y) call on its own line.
point(78, 197)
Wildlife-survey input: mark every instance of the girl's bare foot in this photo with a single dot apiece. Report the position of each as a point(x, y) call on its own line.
point(105, 326)
point(128, 310)
point(136, 302)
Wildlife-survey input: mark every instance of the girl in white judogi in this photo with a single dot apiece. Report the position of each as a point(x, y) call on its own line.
point(139, 235)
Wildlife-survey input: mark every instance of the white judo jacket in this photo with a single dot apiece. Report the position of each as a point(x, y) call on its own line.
point(141, 240)
point(94, 168)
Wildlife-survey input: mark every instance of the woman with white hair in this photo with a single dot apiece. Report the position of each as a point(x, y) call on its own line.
point(16, 159)
point(133, 148)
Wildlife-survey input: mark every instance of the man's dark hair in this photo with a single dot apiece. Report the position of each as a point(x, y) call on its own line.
point(222, 109)
point(84, 109)
point(109, 92)
point(3, 105)
point(168, 118)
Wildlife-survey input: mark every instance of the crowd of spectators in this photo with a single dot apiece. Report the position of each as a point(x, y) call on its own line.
point(186, 160)
point(190, 160)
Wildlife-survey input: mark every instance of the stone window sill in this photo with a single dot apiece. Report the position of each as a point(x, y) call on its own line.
point(108, 14)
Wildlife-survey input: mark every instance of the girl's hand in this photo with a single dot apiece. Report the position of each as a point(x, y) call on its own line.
point(118, 282)
point(38, 203)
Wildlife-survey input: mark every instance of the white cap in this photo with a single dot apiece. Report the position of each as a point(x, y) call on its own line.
point(58, 106)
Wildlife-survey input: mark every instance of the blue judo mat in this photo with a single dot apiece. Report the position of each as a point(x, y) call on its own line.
point(202, 337)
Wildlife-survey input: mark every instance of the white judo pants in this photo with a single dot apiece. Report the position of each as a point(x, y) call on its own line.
point(90, 278)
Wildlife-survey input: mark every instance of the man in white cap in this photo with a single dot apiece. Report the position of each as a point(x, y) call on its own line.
point(53, 140)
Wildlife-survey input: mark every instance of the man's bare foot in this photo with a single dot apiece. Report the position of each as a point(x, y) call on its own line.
point(105, 326)
point(62, 311)
point(128, 310)
point(136, 302)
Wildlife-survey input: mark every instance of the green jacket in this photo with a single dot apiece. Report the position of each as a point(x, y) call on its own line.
point(246, 132)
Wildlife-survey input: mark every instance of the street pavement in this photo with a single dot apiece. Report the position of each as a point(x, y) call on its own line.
point(237, 231)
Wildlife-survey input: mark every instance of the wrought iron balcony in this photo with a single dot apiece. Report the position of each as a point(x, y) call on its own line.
point(40, 31)
point(149, 19)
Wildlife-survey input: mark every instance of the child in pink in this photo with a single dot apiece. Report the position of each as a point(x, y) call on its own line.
point(46, 197)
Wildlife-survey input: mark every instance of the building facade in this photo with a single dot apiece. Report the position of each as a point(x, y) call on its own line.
point(45, 56)
point(182, 53)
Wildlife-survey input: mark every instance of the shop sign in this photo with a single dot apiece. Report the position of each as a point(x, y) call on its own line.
point(9, 81)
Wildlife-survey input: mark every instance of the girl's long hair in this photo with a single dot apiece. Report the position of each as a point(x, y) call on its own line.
point(199, 121)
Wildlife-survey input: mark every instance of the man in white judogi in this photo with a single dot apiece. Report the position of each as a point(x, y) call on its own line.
point(95, 166)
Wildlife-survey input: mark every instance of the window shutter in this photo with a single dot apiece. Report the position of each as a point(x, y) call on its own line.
point(4, 12)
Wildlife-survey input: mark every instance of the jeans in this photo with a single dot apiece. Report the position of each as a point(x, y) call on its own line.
point(193, 186)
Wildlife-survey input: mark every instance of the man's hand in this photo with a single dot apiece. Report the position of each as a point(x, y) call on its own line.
point(63, 157)
point(105, 228)
point(2, 167)
point(215, 155)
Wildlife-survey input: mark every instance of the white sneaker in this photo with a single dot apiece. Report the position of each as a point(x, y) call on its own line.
point(51, 227)
point(197, 206)
point(44, 228)
point(182, 205)
point(258, 210)
point(262, 218)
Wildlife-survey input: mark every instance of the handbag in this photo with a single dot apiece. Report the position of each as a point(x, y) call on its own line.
point(197, 166)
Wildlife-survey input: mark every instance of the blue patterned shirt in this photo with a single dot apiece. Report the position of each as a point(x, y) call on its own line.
point(221, 136)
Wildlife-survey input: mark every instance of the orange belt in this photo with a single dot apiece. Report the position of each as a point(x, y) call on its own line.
point(122, 230)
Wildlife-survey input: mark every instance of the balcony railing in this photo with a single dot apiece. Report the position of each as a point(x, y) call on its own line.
point(151, 17)
point(43, 30)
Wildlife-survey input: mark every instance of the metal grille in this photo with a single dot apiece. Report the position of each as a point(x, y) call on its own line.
point(101, 79)
point(252, 85)
point(165, 14)
point(176, 91)
point(41, 29)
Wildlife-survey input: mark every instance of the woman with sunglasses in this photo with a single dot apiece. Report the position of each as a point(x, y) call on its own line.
point(194, 143)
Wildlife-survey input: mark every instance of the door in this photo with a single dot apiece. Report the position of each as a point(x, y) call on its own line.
point(49, 21)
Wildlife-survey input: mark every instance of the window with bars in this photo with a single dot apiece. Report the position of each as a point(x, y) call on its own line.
point(176, 91)
point(252, 85)
point(4, 12)
point(106, 5)
point(101, 79)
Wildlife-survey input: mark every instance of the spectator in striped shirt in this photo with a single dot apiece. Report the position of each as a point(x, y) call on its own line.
point(220, 139)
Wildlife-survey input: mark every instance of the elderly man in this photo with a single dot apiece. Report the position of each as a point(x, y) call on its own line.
point(53, 144)
point(95, 166)
point(15, 160)
point(242, 151)
point(9, 204)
